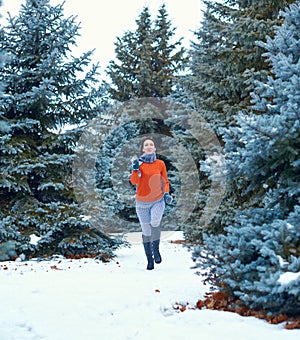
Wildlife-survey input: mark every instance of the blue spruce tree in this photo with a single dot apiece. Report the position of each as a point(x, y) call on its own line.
point(7, 249)
point(224, 62)
point(257, 260)
point(46, 89)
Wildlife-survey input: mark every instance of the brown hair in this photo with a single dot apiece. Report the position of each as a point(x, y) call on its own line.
point(144, 140)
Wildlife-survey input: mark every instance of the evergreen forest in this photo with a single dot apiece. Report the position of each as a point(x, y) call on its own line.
point(228, 106)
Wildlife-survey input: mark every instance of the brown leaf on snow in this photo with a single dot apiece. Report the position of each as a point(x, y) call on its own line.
point(177, 241)
point(216, 300)
point(220, 301)
point(293, 325)
point(200, 304)
point(219, 296)
point(278, 319)
point(54, 267)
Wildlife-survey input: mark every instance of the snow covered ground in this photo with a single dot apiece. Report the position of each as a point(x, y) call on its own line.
point(86, 299)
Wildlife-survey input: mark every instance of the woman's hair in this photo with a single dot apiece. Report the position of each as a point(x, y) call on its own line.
point(143, 141)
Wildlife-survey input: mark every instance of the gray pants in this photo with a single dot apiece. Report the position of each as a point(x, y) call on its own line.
point(150, 215)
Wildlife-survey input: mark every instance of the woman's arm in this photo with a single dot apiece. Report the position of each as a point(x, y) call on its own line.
point(134, 177)
point(165, 180)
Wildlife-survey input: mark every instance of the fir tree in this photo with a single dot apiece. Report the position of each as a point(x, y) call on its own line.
point(45, 89)
point(2, 56)
point(147, 59)
point(225, 61)
point(147, 62)
point(131, 121)
point(252, 260)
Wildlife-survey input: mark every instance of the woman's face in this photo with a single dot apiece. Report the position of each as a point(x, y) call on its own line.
point(148, 146)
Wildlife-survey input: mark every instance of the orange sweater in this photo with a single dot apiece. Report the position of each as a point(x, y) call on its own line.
point(152, 181)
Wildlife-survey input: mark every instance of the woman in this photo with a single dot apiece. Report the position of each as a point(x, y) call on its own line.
point(150, 176)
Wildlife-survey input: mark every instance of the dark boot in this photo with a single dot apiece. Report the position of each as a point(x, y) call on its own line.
point(155, 236)
point(148, 252)
point(156, 253)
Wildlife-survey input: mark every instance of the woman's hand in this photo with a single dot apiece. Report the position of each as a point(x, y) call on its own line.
point(168, 198)
point(135, 164)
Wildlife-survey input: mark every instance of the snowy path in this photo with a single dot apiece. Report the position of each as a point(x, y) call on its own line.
point(86, 299)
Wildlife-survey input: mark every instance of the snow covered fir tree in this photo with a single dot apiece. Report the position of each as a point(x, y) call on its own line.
point(224, 63)
point(257, 259)
point(225, 59)
point(241, 78)
point(1, 56)
point(45, 90)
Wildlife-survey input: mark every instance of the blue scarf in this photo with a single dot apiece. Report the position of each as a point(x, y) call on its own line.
point(148, 158)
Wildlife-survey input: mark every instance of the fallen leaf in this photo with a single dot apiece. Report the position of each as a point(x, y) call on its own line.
point(293, 325)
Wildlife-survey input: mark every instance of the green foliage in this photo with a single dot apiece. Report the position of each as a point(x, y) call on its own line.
point(113, 161)
point(225, 63)
point(7, 250)
point(147, 59)
point(225, 59)
point(257, 259)
point(46, 89)
point(251, 260)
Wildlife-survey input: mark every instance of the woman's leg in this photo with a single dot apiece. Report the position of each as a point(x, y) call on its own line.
point(156, 217)
point(144, 217)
